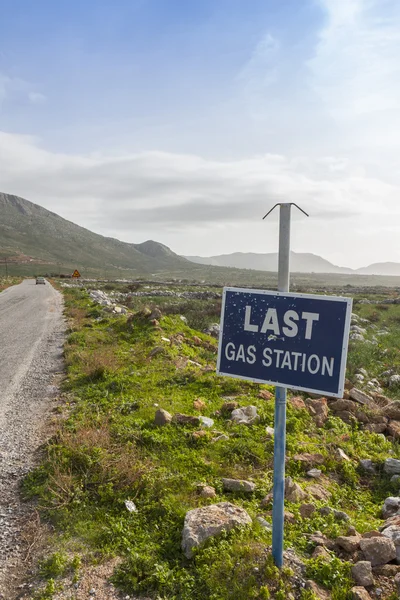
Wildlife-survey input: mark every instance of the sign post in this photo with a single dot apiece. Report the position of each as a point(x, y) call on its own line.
point(278, 508)
point(296, 341)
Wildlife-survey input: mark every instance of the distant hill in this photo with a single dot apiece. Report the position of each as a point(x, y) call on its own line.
point(29, 233)
point(299, 263)
point(386, 268)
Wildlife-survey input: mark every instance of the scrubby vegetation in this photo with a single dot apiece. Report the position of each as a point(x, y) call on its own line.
point(108, 451)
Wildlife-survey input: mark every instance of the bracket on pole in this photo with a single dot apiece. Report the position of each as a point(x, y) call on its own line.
point(290, 203)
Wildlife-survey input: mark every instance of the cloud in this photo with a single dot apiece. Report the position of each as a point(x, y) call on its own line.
point(167, 190)
point(14, 87)
point(356, 67)
point(36, 98)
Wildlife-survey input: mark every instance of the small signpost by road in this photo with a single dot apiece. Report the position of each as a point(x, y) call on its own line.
point(76, 273)
point(296, 341)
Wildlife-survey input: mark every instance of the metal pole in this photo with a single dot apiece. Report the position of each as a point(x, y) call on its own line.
point(280, 401)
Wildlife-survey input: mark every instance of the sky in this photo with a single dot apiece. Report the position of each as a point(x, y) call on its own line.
point(185, 121)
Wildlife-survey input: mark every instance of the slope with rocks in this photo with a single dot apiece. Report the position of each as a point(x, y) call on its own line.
point(169, 467)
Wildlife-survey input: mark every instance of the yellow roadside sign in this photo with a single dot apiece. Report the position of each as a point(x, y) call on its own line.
point(76, 274)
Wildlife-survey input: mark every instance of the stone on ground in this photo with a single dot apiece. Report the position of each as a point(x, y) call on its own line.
point(245, 416)
point(360, 396)
point(362, 573)
point(293, 492)
point(360, 593)
point(393, 533)
point(319, 592)
point(238, 485)
point(348, 543)
point(185, 419)
point(391, 507)
point(392, 466)
point(162, 417)
point(378, 550)
point(203, 523)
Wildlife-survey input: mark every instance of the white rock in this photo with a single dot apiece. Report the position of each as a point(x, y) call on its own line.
point(206, 421)
point(392, 466)
point(393, 533)
point(131, 506)
point(314, 473)
point(246, 415)
point(391, 507)
point(203, 523)
point(269, 431)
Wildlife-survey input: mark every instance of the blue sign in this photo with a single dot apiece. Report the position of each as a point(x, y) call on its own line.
point(296, 341)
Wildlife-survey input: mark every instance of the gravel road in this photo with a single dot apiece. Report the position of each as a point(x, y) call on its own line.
point(31, 357)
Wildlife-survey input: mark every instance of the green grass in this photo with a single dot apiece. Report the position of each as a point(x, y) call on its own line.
point(108, 450)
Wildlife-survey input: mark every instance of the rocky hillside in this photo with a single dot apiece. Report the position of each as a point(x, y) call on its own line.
point(30, 233)
point(166, 465)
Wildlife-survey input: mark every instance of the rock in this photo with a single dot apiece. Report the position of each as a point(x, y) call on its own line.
point(319, 492)
point(392, 466)
point(310, 460)
point(293, 492)
point(321, 552)
point(266, 395)
point(130, 506)
point(367, 465)
point(360, 593)
point(340, 515)
point(264, 523)
point(247, 415)
point(342, 405)
point(288, 517)
point(213, 330)
point(356, 337)
point(386, 570)
point(395, 479)
point(220, 438)
point(197, 435)
point(270, 432)
point(340, 455)
point(162, 417)
point(206, 421)
point(393, 429)
point(156, 314)
point(229, 406)
point(391, 507)
point(362, 573)
point(371, 534)
point(395, 520)
point(318, 409)
point(185, 419)
point(203, 523)
point(397, 582)
point(155, 351)
point(183, 319)
point(314, 473)
point(325, 511)
point(297, 402)
point(319, 592)
point(238, 485)
point(394, 381)
point(348, 543)
point(361, 331)
point(199, 404)
point(352, 531)
point(307, 510)
point(392, 410)
point(378, 550)
point(393, 533)
point(207, 491)
point(360, 396)
point(376, 427)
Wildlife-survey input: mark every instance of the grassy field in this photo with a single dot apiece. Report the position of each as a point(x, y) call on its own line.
point(120, 370)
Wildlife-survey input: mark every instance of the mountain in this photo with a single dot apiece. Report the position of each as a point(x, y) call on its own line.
point(31, 234)
point(299, 262)
point(386, 268)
